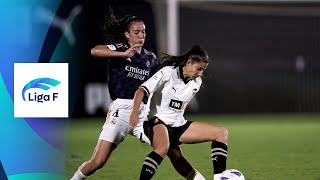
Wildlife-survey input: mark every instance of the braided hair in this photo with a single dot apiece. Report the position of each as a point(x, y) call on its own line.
point(195, 54)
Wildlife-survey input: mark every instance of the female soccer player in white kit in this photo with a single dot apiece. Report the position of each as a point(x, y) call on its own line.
point(173, 87)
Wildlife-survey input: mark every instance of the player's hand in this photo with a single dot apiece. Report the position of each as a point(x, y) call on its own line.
point(132, 50)
point(134, 119)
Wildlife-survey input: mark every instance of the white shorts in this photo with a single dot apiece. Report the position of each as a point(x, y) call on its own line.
point(116, 126)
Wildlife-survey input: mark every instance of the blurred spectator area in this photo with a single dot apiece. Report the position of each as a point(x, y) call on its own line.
point(265, 57)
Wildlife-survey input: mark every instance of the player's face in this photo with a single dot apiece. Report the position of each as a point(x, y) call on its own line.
point(194, 70)
point(136, 34)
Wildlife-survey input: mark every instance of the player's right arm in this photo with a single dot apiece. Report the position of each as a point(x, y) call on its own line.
point(134, 117)
point(109, 51)
point(148, 87)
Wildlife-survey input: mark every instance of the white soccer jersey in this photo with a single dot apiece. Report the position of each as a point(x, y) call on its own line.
point(171, 95)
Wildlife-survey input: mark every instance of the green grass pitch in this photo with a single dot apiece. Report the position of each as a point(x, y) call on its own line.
point(263, 147)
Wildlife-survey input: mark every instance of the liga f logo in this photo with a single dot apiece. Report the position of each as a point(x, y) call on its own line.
point(41, 90)
point(41, 83)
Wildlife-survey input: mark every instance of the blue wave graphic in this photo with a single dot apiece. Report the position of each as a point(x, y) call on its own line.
point(42, 83)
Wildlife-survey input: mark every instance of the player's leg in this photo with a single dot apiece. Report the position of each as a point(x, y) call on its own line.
point(203, 132)
point(160, 142)
point(182, 166)
point(113, 133)
point(99, 157)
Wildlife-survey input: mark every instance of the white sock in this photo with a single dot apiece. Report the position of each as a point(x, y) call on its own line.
point(195, 175)
point(78, 174)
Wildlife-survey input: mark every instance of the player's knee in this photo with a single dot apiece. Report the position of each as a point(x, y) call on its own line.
point(97, 163)
point(162, 150)
point(174, 154)
point(223, 135)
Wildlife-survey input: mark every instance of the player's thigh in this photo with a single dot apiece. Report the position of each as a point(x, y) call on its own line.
point(160, 137)
point(201, 132)
point(115, 131)
point(116, 126)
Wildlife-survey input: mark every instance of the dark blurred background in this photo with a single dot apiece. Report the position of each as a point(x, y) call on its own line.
point(264, 56)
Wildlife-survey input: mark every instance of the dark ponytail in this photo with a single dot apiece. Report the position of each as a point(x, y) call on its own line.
point(114, 28)
point(195, 54)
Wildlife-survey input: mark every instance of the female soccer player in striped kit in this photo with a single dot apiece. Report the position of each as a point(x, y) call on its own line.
point(129, 66)
point(173, 87)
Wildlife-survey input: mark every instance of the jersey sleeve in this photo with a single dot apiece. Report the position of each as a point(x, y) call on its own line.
point(155, 66)
point(117, 47)
point(111, 47)
point(157, 80)
point(120, 47)
point(155, 61)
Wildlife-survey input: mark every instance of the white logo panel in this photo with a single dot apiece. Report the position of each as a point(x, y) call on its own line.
point(41, 90)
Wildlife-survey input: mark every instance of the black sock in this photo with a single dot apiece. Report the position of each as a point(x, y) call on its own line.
point(150, 166)
point(219, 156)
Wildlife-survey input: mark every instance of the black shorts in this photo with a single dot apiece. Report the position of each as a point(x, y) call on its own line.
point(174, 132)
